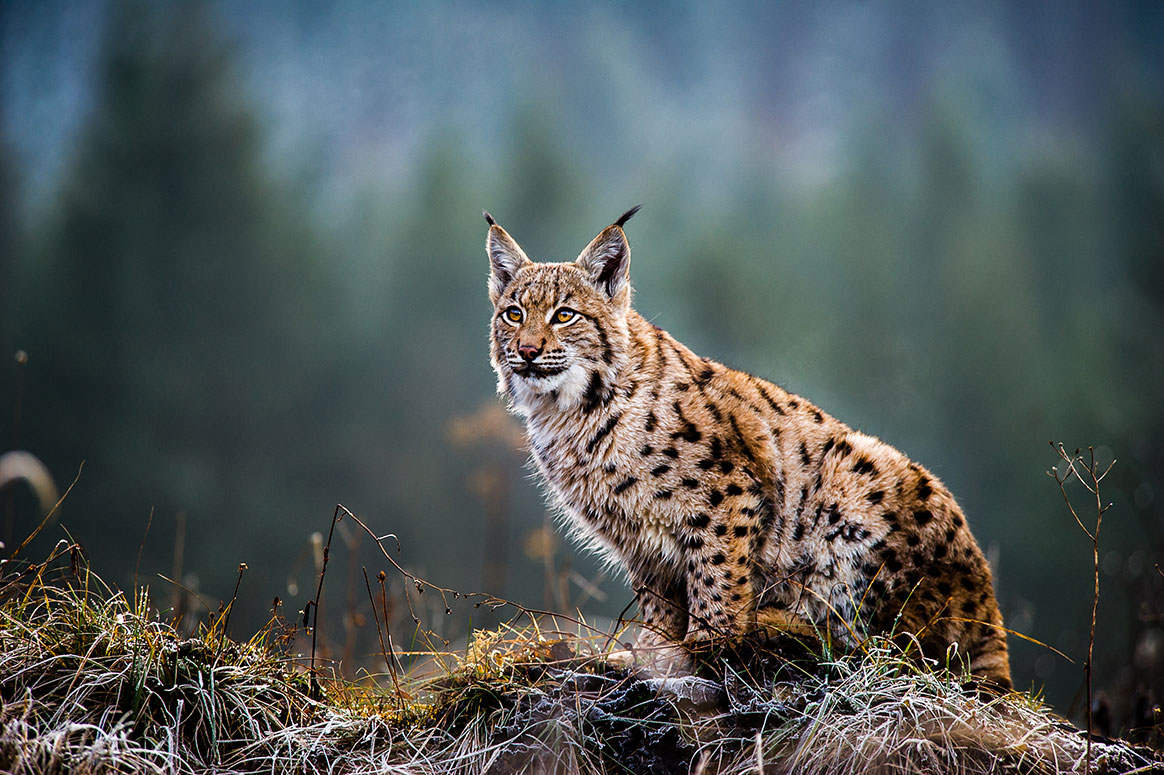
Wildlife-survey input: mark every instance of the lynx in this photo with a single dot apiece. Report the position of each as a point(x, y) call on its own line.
point(731, 504)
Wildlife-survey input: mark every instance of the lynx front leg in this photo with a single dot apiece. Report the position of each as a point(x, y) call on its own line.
point(720, 584)
point(662, 601)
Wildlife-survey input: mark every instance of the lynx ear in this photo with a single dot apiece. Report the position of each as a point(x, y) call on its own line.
point(606, 261)
point(505, 258)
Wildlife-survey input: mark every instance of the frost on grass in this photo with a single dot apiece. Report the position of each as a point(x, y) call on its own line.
point(93, 682)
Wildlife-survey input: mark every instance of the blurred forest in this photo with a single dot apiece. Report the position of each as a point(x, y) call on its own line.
point(241, 246)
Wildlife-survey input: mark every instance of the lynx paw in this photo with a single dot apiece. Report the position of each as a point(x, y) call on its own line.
point(654, 654)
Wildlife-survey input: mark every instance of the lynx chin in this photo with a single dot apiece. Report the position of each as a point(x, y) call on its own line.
point(730, 503)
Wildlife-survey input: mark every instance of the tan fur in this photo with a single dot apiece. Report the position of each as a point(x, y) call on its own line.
point(730, 502)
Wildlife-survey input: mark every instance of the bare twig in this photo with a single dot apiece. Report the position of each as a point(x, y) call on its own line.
point(383, 579)
point(380, 633)
point(47, 517)
point(10, 497)
point(1087, 473)
point(224, 620)
point(140, 548)
point(315, 688)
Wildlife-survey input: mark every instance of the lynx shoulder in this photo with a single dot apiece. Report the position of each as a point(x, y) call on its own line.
point(729, 502)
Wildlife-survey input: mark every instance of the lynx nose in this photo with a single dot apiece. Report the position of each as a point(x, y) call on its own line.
point(528, 352)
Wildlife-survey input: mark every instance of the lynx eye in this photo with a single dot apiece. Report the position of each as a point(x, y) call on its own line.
point(564, 315)
point(513, 315)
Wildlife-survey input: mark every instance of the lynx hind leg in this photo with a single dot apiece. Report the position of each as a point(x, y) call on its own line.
point(973, 641)
point(989, 658)
point(776, 622)
point(974, 624)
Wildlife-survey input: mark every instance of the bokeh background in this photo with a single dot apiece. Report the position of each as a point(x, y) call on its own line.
point(241, 246)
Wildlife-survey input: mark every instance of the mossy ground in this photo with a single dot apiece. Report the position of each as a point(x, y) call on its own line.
point(92, 680)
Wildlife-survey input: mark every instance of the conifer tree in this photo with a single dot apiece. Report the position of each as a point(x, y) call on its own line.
point(180, 302)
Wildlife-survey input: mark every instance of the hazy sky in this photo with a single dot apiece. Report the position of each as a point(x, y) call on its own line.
point(350, 89)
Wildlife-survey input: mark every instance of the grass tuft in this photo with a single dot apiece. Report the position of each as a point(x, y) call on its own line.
point(92, 681)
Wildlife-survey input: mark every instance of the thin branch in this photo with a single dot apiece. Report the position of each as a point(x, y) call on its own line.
point(380, 633)
point(1088, 475)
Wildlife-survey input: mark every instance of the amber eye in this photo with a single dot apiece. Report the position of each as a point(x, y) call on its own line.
point(565, 315)
point(513, 315)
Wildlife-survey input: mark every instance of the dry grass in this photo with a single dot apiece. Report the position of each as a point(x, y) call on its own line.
point(94, 682)
point(878, 713)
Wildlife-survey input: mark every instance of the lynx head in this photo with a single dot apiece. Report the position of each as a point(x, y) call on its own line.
point(559, 329)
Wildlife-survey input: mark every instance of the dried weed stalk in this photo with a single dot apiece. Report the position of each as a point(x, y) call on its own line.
point(1087, 473)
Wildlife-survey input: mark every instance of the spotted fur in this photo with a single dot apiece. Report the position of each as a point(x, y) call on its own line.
point(729, 502)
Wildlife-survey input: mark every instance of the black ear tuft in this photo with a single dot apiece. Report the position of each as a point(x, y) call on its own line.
point(506, 258)
point(606, 260)
point(489, 218)
point(622, 219)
